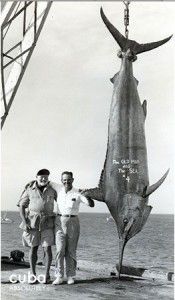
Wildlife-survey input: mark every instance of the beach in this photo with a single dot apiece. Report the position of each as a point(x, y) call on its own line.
point(97, 255)
point(93, 282)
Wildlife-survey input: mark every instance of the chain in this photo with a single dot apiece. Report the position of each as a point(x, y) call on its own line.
point(126, 17)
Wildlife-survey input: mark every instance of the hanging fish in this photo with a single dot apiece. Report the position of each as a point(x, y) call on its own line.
point(124, 184)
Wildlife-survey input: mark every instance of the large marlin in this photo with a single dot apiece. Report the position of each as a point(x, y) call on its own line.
point(124, 184)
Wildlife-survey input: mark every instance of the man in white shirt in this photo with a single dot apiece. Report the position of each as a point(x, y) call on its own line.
point(67, 228)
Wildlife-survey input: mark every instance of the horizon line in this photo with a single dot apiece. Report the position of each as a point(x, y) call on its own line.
point(84, 212)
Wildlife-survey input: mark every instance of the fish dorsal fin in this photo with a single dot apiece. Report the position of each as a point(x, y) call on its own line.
point(100, 184)
point(95, 193)
point(150, 189)
point(144, 106)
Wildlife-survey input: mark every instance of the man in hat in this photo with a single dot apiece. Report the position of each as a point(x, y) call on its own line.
point(67, 228)
point(38, 223)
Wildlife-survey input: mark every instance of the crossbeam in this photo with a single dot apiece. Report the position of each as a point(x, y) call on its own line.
point(20, 60)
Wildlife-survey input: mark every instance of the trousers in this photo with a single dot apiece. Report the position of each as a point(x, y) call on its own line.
point(67, 231)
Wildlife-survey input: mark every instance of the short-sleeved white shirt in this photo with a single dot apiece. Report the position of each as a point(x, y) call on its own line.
point(68, 203)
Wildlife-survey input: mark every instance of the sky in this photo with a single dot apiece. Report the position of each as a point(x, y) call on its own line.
point(59, 117)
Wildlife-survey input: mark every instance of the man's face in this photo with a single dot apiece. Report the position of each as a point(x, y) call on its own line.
point(42, 180)
point(67, 181)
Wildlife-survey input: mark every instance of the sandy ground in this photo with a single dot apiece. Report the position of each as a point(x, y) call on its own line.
point(93, 281)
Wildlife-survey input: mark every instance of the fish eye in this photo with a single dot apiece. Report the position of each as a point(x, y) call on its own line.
point(125, 221)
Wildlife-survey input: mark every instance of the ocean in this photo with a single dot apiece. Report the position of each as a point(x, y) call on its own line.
point(152, 248)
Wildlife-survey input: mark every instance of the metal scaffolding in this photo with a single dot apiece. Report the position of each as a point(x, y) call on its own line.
point(17, 56)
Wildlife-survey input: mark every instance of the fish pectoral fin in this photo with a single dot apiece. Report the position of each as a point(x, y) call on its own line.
point(150, 189)
point(146, 214)
point(139, 225)
point(144, 106)
point(95, 193)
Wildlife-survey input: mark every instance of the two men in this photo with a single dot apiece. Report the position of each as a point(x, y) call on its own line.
point(38, 225)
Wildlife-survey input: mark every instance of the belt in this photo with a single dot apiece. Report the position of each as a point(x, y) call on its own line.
point(67, 215)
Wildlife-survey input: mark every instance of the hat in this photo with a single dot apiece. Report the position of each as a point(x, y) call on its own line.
point(43, 172)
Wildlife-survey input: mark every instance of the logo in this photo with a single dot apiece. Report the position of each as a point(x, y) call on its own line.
point(29, 278)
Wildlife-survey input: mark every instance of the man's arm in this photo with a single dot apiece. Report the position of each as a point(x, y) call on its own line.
point(23, 204)
point(91, 202)
point(87, 200)
point(23, 195)
point(23, 217)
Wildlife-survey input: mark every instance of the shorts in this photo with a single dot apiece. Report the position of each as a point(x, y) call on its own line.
point(35, 238)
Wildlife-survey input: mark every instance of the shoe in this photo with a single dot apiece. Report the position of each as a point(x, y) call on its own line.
point(58, 280)
point(70, 280)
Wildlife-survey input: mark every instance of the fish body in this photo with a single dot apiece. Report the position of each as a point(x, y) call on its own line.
point(125, 170)
point(124, 182)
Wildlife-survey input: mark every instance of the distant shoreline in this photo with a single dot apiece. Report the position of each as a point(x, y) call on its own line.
point(93, 212)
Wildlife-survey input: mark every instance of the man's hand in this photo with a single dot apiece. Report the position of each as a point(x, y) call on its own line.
point(27, 227)
point(25, 222)
point(91, 202)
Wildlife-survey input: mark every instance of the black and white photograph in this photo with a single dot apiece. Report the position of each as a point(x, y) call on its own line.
point(87, 150)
